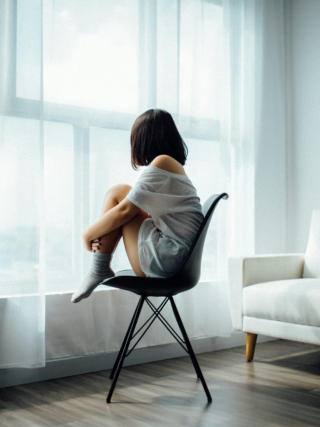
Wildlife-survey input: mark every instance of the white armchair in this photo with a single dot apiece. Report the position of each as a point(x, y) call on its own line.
point(278, 295)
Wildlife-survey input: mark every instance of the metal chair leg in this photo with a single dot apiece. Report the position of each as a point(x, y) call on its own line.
point(195, 365)
point(122, 345)
point(190, 349)
point(125, 347)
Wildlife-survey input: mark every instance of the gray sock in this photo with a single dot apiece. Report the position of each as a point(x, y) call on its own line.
point(100, 270)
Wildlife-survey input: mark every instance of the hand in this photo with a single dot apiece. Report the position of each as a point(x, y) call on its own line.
point(95, 245)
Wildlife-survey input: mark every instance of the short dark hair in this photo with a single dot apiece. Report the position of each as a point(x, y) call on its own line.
point(155, 133)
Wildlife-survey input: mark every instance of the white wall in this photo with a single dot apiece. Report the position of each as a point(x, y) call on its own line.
point(303, 148)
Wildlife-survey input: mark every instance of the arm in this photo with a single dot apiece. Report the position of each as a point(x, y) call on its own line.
point(246, 271)
point(110, 221)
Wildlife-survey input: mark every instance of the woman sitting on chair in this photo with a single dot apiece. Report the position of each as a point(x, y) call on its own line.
point(158, 218)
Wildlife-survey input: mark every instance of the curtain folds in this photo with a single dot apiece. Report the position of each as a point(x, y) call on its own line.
point(22, 262)
point(74, 76)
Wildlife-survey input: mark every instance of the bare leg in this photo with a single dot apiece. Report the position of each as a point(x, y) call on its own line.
point(108, 243)
point(105, 246)
point(130, 231)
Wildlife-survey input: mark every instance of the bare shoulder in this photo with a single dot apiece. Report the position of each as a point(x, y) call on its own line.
point(168, 164)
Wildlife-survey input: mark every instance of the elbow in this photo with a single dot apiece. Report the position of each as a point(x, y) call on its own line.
point(85, 237)
point(86, 241)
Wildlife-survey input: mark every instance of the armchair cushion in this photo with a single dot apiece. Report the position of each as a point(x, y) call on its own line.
point(247, 271)
point(312, 258)
point(293, 301)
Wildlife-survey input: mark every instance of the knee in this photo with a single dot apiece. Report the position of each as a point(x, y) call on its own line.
point(119, 191)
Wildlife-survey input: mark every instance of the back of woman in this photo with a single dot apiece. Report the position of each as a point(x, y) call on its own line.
point(175, 217)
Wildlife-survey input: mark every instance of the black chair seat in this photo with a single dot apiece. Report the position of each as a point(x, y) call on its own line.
point(146, 286)
point(184, 279)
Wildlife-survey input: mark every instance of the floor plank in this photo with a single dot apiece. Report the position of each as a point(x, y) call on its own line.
point(281, 387)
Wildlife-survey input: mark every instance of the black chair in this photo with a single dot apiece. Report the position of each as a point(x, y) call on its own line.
point(184, 279)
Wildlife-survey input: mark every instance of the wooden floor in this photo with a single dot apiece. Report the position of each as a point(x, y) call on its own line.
point(281, 387)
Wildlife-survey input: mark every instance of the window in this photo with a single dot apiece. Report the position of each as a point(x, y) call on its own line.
point(98, 65)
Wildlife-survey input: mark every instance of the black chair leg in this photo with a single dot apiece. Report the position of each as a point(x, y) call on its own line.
point(195, 365)
point(125, 347)
point(122, 345)
point(190, 350)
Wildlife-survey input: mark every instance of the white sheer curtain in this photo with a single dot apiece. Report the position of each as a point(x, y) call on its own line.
point(75, 75)
point(22, 285)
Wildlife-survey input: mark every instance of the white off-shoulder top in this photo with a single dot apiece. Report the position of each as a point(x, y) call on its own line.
point(175, 217)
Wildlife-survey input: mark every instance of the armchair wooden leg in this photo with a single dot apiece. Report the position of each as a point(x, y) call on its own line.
point(251, 345)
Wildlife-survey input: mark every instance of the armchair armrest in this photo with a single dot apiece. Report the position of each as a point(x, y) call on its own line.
point(246, 271)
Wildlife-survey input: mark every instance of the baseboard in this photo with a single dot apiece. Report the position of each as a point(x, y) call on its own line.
point(59, 368)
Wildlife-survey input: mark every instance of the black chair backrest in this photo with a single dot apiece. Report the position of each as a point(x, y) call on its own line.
point(189, 274)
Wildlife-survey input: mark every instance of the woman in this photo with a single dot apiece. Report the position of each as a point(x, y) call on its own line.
point(158, 218)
